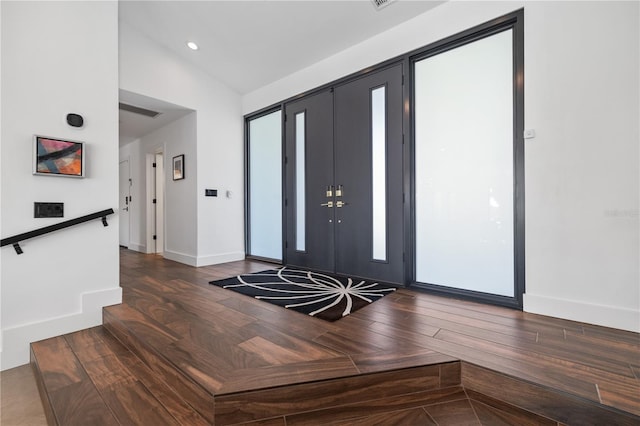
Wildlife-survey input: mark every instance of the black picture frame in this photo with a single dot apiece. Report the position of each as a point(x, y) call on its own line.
point(178, 167)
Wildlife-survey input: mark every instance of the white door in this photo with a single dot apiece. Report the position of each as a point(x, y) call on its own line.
point(125, 202)
point(159, 231)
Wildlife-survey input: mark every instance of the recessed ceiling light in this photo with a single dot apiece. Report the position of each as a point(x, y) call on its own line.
point(192, 45)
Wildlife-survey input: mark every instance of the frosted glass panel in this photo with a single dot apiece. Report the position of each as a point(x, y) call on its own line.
point(464, 167)
point(300, 182)
point(265, 186)
point(379, 172)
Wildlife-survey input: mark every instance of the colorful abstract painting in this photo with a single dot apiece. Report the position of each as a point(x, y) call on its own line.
point(58, 157)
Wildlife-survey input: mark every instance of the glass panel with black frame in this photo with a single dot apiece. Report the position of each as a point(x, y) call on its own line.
point(264, 227)
point(464, 167)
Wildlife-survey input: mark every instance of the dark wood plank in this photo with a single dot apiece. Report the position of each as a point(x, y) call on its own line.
point(450, 374)
point(610, 356)
point(80, 404)
point(547, 370)
point(222, 347)
point(636, 370)
point(544, 401)
point(276, 316)
point(611, 334)
point(459, 413)
point(57, 364)
point(288, 374)
point(429, 321)
point(192, 392)
point(491, 411)
point(380, 408)
point(170, 400)
point(391, 360)
point(42, 390)
point(133, 404)
point(249, 406)
point(278, 421)
point(415, 416)
point(506, 364)
point(143, 326)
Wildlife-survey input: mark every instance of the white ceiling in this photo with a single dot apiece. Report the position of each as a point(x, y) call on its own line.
point(248, 44)
point(134, 126)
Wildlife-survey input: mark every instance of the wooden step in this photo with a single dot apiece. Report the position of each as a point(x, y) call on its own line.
point(90, 378)
point(226, 394)
point(147, 341)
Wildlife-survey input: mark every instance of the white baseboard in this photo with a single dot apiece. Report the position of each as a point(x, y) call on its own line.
point(16, 340)
point(215, 259)
point(220, 258)
point(187, 259)
point(137, 247)
point(607, 316)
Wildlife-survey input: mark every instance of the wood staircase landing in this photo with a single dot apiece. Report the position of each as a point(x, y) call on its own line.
point(90, 378)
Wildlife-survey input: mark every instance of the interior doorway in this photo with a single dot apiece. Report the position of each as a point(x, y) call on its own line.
point(155, 201)
point(125, 203)
point(159, 204)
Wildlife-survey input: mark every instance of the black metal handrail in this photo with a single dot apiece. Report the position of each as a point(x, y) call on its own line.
point(16, 239)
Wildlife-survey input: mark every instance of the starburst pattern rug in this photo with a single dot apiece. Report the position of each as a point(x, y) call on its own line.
point(319, 295)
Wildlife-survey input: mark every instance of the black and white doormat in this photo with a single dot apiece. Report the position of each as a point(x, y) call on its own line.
point(320, 295)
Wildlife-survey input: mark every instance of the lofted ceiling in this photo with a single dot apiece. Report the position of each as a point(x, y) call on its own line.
point(247, 44)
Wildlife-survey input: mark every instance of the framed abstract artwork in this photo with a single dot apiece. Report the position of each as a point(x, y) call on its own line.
point(178, 167)
point(58, 157)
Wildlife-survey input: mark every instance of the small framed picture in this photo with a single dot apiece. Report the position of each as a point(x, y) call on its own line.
point(178, 167)
point(58, 157)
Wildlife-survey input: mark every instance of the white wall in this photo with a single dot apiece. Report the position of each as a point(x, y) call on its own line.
point(582, 94)
point(62, 280)
point(582, 176)
point(216, 161)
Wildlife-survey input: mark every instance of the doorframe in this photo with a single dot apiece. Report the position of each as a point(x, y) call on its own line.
point(515, 22)
point(152, 228)
point(160, 196)
point(128, 194)
point(247, 189)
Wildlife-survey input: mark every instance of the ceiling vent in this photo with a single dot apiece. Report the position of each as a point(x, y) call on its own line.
point(381, 4)
point(138, 110)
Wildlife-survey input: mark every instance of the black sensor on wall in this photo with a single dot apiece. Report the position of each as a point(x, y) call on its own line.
point(75, 120)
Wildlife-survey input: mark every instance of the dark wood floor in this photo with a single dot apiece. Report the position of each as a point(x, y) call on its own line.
point(243, 351)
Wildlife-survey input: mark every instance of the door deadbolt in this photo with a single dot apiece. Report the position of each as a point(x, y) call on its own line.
point(329, 191)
